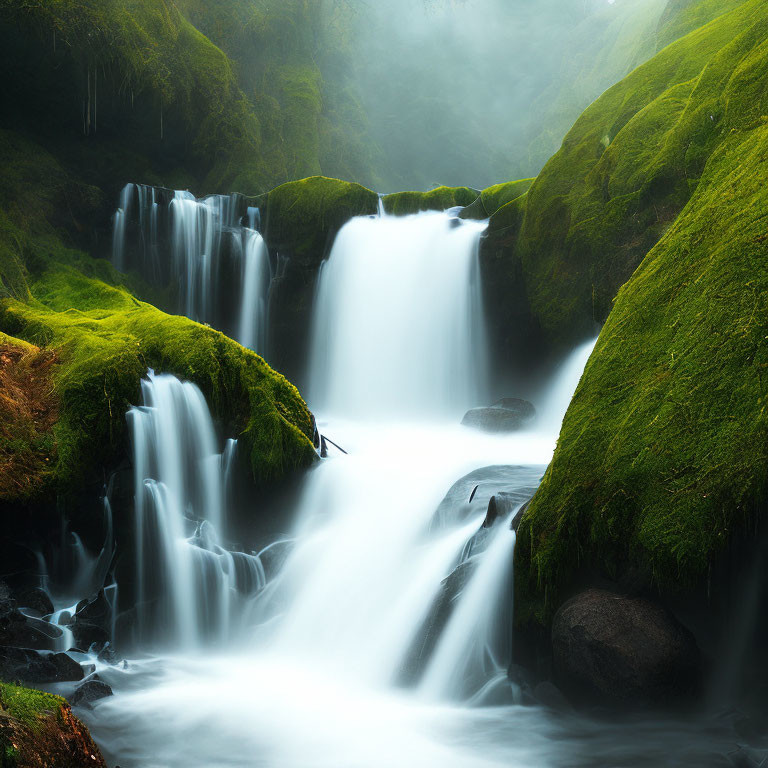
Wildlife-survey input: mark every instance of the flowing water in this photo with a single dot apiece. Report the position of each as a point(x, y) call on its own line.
point(207, 251)
point(382, 637)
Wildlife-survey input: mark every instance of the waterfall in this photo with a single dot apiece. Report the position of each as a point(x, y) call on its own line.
point(203, 250)
point(398, 325)
point(374, 627)
point(252, 332)
point(188, 586)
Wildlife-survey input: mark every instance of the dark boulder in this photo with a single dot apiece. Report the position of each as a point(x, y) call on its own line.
point(19, 631)
point(35, 599)
point(627, 651)
point(32, 667)
point(91, 690)
point(507, 415)
point(92, 622)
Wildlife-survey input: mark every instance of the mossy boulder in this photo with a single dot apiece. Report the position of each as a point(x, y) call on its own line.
point(76, 343)
point(662, 456)
point(438, 199)
point(105, 340)
point(300, 222)
point(38, 729)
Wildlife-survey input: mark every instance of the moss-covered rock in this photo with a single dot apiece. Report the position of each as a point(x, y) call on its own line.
point(38, 729)
point(438, 199)
point(662, 456)
point(300, 221)
point(105, 340)
point(93, 342)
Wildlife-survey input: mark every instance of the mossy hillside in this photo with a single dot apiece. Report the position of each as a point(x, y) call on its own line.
point(683, 16)
point(130, 71)
point(625, 171)
point(105, 341)
point(438, 199)
point(495, 197)
point(663, 453)
point(295, 64)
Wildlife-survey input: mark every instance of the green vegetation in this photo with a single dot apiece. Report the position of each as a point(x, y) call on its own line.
point(683, 16)
point(106, 339)
point(662, 456)
point(623, 174)
point(94, 341)
point(39, 729)
point(439, 199)
point(302, 217)
point(28, 706)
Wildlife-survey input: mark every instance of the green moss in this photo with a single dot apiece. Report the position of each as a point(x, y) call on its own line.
point(662, 455)
point(303, 217)
point(439, 199)
point(106, 339)
point(683, 16)
point(623, 174)
point(28, 706)
point(499, 195)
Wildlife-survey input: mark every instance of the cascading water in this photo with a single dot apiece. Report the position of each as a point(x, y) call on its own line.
point(202, 249)
point(391, 610)
point(188, 586)
point(398, 323)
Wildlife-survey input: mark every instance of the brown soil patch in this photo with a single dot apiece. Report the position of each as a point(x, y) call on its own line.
point(28, 410)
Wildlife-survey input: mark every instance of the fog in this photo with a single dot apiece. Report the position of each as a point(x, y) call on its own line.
point(477, 92)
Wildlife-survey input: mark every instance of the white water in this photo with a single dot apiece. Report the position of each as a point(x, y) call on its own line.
point(252, 332)
point(398, 326)
point(316, 681)
point(188, 587)
point(184, 245)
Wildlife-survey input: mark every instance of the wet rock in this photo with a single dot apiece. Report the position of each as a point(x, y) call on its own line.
point(107, 655)
point(90, 691)
point(616, 650)
point(54, 737)
point(89, 636)
point(549, 695)
point(507, 415)
point(16, 630)
point(440, 613)
point(32, 667)
point(471, 494)
point(91, 622)
point(35, 599)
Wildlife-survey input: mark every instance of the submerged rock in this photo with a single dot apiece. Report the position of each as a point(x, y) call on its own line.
point(507, 415)
point(90, 691)
point(617, 650)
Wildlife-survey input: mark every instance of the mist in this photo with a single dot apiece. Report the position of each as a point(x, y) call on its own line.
point(477, 92)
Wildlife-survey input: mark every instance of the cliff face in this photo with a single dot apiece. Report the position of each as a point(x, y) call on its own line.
point(662, 455)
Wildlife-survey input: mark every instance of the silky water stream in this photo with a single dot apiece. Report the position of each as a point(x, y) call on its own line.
point(383, 640)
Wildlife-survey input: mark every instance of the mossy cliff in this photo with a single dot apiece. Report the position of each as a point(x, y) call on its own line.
point(38, 729)
point(133, 90)
point(625, 171)
point(663, 453)
point(300, 221)
point(94, 341)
